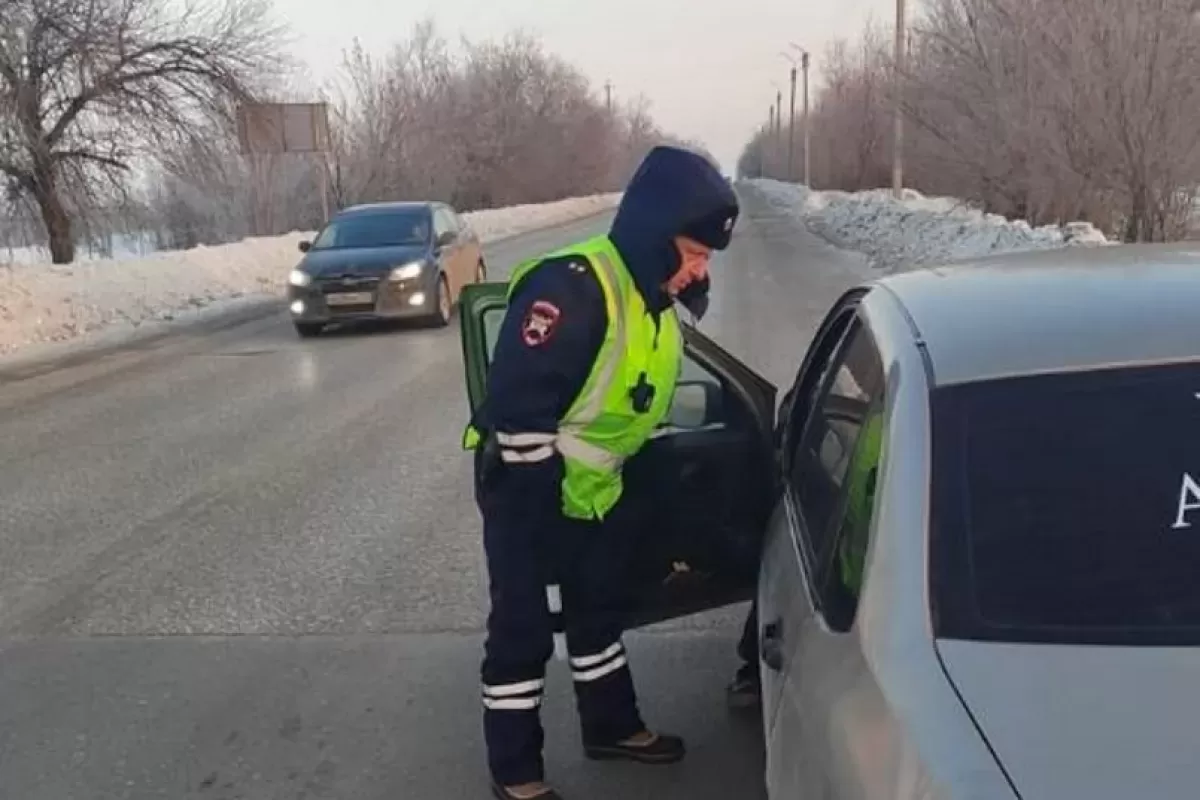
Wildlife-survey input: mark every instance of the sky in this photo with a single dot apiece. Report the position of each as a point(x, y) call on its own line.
point(709, 69)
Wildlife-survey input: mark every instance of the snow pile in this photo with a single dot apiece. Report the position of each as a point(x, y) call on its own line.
point(47, 303)
point(916, 231)
point(497, 223)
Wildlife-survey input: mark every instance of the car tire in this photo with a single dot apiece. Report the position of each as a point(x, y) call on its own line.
point(308, 330)
point(443, 308)
point(481, 272)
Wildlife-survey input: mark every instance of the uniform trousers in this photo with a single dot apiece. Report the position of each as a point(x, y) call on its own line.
point(552, 581)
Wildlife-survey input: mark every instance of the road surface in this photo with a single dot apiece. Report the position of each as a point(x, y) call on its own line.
point(244, 565)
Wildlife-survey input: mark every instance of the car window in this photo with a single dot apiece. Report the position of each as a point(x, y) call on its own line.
point(442, 222)
point(797, 404)
point(842, 579)
point(375, 229)
point(1066, 507)
point(693, 407)
point(826, 447)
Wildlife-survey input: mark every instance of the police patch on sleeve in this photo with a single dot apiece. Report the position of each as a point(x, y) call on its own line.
point(540, 322)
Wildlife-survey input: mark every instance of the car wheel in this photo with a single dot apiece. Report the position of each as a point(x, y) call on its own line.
point(307, 330)
point(443, 307)
point(481, 272)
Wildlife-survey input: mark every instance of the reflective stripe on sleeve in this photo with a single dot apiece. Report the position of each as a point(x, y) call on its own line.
point(524, 439)
point(527, 456)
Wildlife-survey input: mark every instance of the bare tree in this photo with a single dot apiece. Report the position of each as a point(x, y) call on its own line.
point(483, 124)
point(1047, 110)
point(86, 84)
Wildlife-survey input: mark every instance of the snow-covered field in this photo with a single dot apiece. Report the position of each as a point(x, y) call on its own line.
point(42, 303)
point(916, 231)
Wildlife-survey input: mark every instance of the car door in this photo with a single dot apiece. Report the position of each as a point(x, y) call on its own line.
point(698, 494)
point(827, 462)
point(781, 578)
point(449, 251)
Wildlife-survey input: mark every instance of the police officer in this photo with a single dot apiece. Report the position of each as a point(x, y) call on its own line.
point(584, 369)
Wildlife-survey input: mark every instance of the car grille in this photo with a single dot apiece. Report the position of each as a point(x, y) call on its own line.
point(331, 285)
point(345, 284)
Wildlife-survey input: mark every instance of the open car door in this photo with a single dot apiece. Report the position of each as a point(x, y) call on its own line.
point(698, 496)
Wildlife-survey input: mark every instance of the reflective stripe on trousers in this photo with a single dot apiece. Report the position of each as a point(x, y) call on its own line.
point(519, 696)
point(593, 667)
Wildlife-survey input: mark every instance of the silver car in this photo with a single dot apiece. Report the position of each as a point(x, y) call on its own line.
point(978, 516)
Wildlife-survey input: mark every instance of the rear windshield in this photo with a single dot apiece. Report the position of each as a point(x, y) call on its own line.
point(377, 229)
point(1066, 507)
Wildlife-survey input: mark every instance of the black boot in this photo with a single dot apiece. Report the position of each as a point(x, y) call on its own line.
point(502, 793)
point(660, 749)
point(744, 691)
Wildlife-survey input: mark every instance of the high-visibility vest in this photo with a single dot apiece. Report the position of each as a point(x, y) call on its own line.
point(860, 501)
point(602, 429)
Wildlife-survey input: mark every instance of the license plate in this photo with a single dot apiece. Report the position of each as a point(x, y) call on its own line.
point(349, 299)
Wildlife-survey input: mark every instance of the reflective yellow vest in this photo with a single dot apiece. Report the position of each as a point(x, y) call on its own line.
point(601, 429)
point(860, 501)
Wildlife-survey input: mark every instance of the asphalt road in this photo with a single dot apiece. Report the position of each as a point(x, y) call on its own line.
point(237, 564)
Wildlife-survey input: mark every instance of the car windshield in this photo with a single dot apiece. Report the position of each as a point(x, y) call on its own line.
point(375, 229)
point(1066, 507)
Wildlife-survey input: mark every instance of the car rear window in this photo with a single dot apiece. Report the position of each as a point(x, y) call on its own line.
point(1066, 507)
point(377, 229)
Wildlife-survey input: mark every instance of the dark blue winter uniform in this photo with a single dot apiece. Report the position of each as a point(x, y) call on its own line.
point(529, 542)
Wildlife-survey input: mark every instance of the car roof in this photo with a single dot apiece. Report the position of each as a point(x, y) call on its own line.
point(1066, 309)
point(385, 207)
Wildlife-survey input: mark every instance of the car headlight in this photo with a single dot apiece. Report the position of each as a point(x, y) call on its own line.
point(406, 272)
point(299, 278)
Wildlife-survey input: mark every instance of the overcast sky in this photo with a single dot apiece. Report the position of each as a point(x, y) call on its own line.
point(707, 67)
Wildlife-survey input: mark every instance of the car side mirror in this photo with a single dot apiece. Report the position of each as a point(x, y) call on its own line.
point(696, 404)
point(305, 246)
point(445, 238)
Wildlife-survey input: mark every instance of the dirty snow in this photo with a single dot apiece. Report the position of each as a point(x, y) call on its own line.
point(898, 235)
point(41, 302)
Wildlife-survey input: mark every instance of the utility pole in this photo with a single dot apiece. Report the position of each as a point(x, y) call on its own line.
point(807, 139)
point(791, 173)
point(779, 126)
point(779, 115)
point(608, 96)
point(770, 140)
point(897, 84)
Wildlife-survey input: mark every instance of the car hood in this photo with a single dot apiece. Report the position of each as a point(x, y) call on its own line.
point(1102, 723)
point(359, 260)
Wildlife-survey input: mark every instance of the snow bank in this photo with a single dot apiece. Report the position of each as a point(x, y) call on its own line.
point(42, 303)
point(898, 235)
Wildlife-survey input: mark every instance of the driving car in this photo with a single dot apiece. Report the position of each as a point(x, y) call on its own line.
point(1008, 607)
point(385, 261)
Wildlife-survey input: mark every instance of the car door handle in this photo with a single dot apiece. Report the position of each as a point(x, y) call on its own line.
point(771, 644)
